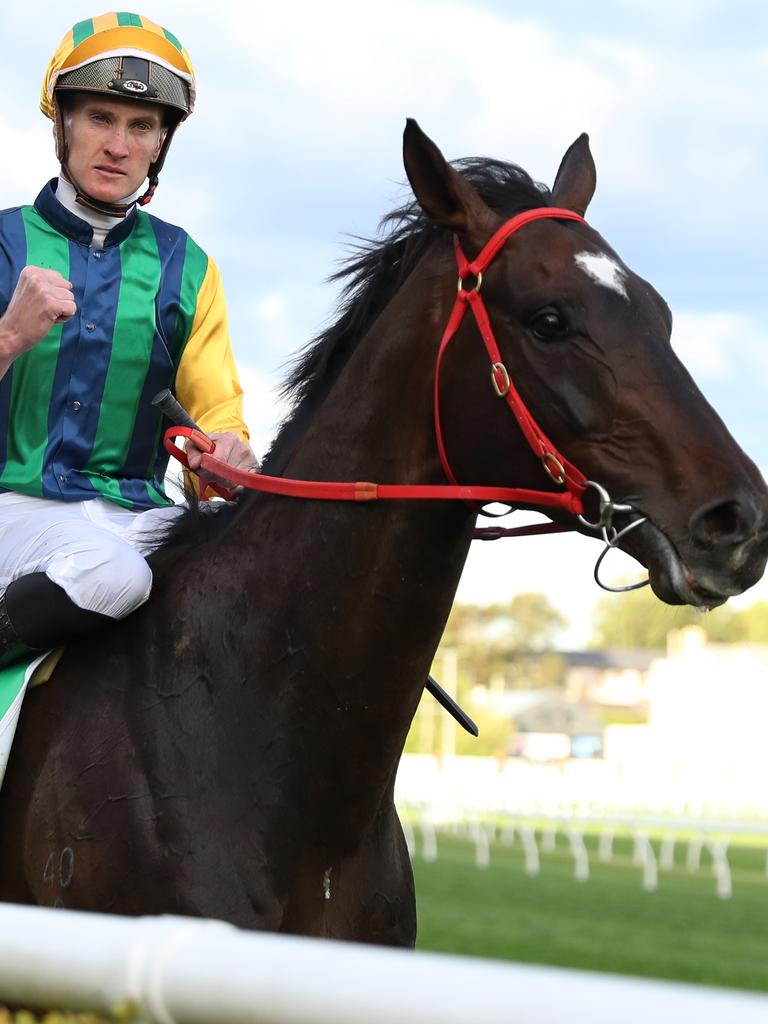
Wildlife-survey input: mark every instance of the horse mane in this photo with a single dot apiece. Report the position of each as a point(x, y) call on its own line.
point(372, 274)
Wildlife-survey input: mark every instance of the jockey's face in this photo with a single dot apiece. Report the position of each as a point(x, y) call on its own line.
point(111, 144)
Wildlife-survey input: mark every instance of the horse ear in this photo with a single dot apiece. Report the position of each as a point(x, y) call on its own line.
point(576, 178)
point(444, 194)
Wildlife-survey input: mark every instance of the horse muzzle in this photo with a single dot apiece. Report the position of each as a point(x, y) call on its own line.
point(721, 553)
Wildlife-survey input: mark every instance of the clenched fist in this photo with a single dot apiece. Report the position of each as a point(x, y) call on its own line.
point(41, 299)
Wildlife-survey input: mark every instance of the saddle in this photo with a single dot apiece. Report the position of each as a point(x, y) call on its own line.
point(15, 679)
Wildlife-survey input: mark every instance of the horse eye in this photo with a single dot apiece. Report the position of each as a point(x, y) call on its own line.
point(549, 325)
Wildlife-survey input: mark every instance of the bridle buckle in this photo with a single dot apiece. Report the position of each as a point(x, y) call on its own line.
point(500, 379)
point(554, 468)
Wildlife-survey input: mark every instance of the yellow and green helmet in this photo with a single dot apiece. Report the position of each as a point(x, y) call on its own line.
point(122, 56)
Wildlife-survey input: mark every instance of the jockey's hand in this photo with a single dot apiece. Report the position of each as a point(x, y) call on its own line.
point(41, 299)
point(229, 449)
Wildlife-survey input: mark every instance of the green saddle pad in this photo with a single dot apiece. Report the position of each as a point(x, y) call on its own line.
point(13, 683)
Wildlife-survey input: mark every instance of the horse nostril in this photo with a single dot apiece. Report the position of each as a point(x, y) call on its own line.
point(728, 522)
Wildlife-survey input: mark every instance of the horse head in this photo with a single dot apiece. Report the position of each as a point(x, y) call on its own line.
point(586, 342)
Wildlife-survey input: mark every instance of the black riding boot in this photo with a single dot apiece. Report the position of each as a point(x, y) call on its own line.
point(36, 615)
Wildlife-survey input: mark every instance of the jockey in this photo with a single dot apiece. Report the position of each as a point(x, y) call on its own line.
point(101, 307)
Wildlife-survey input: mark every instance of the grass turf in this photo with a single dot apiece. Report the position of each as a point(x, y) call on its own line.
point(682, 931)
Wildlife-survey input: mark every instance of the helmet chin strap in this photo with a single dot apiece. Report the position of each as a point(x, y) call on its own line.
point(110, 209)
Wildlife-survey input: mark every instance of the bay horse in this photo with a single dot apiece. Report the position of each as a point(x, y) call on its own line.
point(230, 749)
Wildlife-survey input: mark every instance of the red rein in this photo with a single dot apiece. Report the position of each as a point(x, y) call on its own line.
point(557, 467)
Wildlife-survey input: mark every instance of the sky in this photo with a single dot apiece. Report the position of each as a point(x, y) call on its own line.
point(295, 147)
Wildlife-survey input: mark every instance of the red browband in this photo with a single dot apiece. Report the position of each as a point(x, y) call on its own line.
point(557, 467)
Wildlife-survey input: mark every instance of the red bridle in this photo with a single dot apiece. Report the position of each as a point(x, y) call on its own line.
point(557, 467)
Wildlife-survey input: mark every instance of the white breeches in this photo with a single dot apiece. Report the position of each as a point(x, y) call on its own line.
point(94, 550)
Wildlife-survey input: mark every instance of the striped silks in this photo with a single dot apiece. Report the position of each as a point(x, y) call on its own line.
point(76, 416)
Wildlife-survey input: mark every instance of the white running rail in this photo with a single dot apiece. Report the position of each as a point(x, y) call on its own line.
point(174, 970)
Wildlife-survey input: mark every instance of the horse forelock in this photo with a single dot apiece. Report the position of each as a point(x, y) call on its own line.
point(371, 275)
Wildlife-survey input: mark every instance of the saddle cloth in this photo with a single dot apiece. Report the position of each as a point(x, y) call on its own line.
point(14, 681)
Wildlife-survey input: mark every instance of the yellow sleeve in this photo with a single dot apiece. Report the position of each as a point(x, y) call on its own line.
point(207, 384)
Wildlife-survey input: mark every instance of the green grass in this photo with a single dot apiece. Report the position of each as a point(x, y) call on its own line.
point(683, 931)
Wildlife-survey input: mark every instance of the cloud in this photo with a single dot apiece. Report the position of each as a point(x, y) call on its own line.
point(714, 346)
point(325, 78)
point(706, 342)
point(262, 407)
point(302, 105)
point(273, 327)
point(28, 157)
point(328, 79)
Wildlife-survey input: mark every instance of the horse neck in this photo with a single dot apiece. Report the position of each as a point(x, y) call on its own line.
point(365, 589)
point(376, 424)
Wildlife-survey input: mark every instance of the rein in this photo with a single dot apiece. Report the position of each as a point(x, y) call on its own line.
point(562, 472)
point(327, 490)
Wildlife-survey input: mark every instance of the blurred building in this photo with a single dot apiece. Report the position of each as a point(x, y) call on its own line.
point(611, 677)
point(700, 754)
point(707, 714)
point(699, 706)
point(569, 719)
point(554, 727)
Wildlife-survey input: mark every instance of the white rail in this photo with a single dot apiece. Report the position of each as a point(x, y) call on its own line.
point(173, 970)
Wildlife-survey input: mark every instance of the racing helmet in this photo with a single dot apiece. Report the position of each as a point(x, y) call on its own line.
point(123, 56)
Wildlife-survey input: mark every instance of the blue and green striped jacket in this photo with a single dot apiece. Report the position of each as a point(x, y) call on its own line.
point(76, 418)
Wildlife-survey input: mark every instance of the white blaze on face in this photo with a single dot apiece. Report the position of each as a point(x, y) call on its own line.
point(603, 270)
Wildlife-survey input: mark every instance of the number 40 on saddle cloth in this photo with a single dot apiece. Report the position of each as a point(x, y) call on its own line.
point(14, 681)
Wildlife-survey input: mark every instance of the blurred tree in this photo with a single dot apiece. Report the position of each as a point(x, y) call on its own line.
point(528, 622)
point(747, 625)
point(496, 731)
point(639, 619)
point(505, 641)
point(493, 646)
